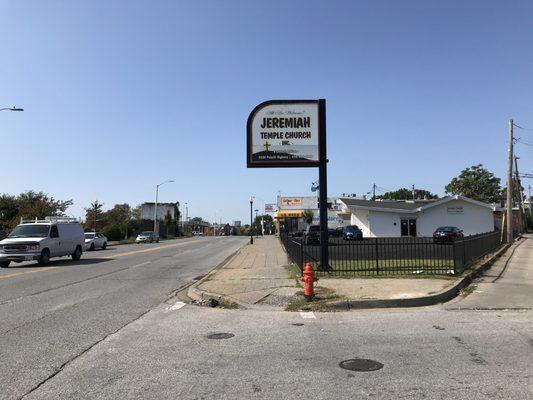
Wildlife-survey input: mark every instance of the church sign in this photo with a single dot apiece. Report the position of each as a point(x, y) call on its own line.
point(284, 133)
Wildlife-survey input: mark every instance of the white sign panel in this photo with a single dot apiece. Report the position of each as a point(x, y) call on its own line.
point(284, 133)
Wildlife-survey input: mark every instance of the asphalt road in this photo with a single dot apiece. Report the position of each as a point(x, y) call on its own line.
point(426, 354)
point(107, 330)
point(51, 315)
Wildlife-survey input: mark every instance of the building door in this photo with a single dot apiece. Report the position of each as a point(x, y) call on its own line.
point(412, 227)
point(408, 227)
point(404, 223)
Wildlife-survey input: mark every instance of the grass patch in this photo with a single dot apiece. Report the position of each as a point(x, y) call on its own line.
point(323, 296)
point(393, 263)
point(355, 275)
point(226, 303)
point(468, 290)
point(294, 273)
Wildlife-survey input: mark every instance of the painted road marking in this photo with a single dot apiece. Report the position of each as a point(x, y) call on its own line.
point(307, 315)
point(177, 305)
point(151, 249)
point(27, 272)
point(141, 264)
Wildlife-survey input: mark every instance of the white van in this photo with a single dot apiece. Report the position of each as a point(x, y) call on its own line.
point(42, 240)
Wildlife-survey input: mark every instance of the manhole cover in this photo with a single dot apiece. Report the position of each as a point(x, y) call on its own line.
point(298, 324)
point(220, 335)
point(360, 365)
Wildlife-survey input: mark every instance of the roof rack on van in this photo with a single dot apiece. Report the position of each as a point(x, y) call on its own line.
point(48, 220)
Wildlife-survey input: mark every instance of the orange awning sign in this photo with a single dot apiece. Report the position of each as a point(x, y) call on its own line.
point(288, 214)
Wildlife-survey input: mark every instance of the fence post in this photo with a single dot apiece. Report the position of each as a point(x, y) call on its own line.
point(377, 255)
point(301, 257)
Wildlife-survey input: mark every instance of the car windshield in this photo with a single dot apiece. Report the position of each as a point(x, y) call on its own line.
point(89, 236)
point(352, 228)
point(147, 233)
point(314, 228)
point(445, 228)
point(30, 231)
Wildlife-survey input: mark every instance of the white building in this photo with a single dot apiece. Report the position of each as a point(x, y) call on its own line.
point(417, 218)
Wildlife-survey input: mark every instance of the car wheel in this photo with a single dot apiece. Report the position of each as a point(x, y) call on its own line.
point(151, 240)
point(104, 246)
point(157, 241)
point(5, 264)
point(77, 254)
point(44, 259)
point(92, 247)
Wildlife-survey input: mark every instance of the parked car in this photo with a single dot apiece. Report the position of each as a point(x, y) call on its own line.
point(94, 240)
point(195, 233)
point(312, 234)
point(337, 232)
point(147, 237)
point(352, 232)
point(447, 234)
point(43, 240)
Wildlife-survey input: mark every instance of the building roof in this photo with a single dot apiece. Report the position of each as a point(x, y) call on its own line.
point(380, 204)
point(406, 206)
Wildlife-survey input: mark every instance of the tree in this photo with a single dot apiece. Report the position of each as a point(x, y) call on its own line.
point(477, 183)
point(94, 216)
point(308, 216)
point(167, 221)
point(9, 211)
point(39, 205)
point(268, 223)
point(29, 205)
point(406, 194)
point(119, 219)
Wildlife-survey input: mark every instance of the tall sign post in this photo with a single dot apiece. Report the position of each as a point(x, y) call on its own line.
point(291, 134)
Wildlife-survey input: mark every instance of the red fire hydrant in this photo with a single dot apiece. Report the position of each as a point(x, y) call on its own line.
point(309, 279)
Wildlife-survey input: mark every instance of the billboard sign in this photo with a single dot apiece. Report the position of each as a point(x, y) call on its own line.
point(284, 133)
point(269, 208)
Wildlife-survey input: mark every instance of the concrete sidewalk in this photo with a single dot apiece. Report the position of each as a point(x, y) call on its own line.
point(508, 284)
point(256, 276)
point(253, 273)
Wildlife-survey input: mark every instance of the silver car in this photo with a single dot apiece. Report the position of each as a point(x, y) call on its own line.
point(94, 240)
point(147, 237)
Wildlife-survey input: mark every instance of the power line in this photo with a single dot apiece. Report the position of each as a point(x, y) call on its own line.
point(521, 127)
point(521, 141)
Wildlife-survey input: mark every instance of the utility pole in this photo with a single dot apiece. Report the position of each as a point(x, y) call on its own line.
point(519, 193)
point(529, 199)
point(413, 191)
point(510, 186)
point(374, 191)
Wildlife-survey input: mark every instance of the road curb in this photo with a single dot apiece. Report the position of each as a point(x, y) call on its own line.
point(202, 296)
point(441, 297)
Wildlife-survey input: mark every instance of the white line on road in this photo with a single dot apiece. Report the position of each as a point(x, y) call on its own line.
point(307, 315)
point(177, 305)
point(141, 264)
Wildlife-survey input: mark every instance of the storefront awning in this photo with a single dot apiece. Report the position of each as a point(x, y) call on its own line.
point(288, 214)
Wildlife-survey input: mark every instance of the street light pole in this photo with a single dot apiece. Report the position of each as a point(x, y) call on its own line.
point(256, 230)
point(156, 198)
point(251, 218)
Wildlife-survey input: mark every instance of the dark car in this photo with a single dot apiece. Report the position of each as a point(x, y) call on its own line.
point(352, 232)
point(312, 234)
point(335, 232)
point(447, 234)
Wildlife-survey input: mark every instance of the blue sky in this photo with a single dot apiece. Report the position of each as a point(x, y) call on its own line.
point(121, 95)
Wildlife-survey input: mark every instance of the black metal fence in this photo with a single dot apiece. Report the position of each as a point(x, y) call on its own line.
point(392, 256)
